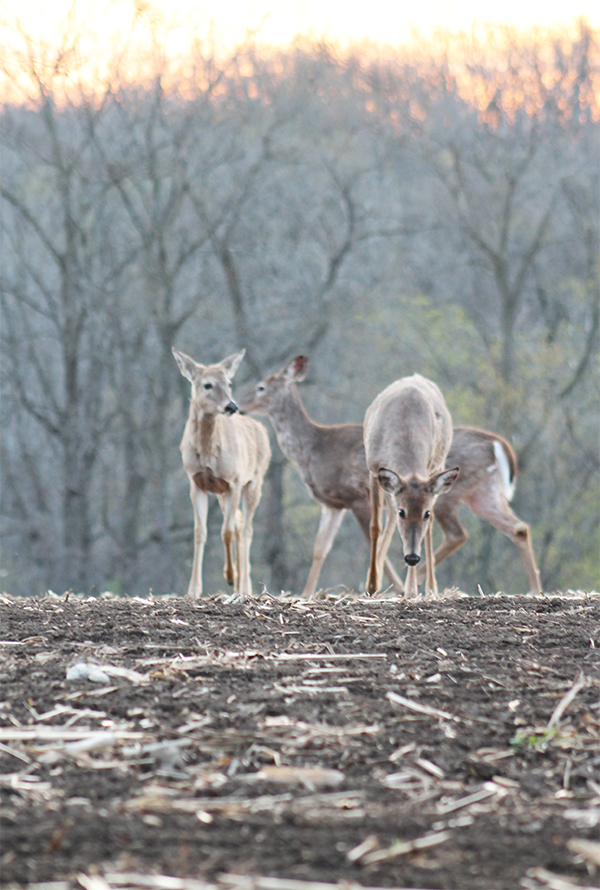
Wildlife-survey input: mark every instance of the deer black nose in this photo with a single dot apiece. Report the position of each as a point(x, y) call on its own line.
point(412, 559)
point(231, 408)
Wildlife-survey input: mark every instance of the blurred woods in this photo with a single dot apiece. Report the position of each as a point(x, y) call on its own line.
point(425, 212)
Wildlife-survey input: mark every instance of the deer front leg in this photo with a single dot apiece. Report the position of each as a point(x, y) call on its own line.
point(376, 507)
point(329, 525)
point(200, 505)
point(362, 511)
point(386, 538)
point(446, 513)
point(430, 581)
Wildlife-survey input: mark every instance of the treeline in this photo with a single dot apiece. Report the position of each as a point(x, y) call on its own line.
point(430, 213)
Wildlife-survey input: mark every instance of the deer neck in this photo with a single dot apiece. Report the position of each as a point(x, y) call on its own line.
point(203, 425)
point(295, 430)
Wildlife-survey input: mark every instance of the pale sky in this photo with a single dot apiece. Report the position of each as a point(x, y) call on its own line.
point(99, 33)
point(393, 21)
point(390, 22)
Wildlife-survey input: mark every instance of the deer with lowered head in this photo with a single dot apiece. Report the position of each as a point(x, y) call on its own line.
point(408, 433)
point(331, 460)
point(226, 454)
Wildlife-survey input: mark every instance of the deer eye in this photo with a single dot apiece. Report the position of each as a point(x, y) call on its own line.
point(426, 514)
point(208, 386)
point(402, 513)
point(261, 387)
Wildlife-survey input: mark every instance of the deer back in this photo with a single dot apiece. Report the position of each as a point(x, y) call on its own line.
point(408, 428)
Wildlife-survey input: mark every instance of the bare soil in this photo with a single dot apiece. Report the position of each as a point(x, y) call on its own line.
point(451, 743)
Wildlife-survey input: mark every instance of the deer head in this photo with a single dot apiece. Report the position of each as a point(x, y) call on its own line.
point(413, 501)
point(211, 384)
point(268, 393)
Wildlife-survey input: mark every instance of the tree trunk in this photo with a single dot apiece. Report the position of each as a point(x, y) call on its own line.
point(77, 532)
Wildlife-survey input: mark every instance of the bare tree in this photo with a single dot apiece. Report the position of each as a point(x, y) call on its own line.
point(57, 223)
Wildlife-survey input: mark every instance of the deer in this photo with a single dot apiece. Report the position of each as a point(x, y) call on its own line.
point(486, 484)
point(407, 433)
point(331, 461)
point(226, 454)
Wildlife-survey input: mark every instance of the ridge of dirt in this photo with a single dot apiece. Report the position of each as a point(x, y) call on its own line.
point(450, 743)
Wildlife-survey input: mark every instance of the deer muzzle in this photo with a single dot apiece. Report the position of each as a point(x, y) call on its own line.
point(231, 408)
point(412, 559)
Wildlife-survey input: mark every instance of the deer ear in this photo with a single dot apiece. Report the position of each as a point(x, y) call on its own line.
point(390, 481)
point(443, 481)
point(187, 365)
point(297, 369)
point(231, 364)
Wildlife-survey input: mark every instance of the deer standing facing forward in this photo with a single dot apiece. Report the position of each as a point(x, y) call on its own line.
point(223, 455)
point(408, 433)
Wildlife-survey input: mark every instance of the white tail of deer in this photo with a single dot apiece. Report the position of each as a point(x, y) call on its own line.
point(225, 454)
point(408, 433)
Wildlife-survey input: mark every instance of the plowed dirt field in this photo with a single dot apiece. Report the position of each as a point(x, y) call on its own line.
point(450, 743)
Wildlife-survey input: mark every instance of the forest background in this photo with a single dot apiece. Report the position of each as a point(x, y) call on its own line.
point(431, 210)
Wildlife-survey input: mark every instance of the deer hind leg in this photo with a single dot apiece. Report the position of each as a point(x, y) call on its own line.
point(523, 541)
point(489, 502)
point(331, 519)
point(237, 546)
point(250, 498)
point(393, 576)
point(375, 529)
point(200, 505)
point(446, 512)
